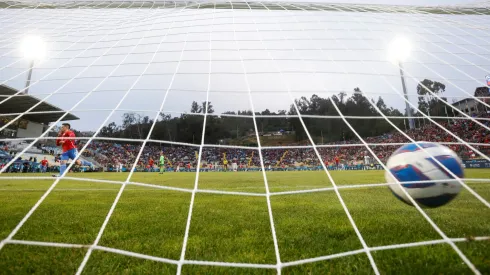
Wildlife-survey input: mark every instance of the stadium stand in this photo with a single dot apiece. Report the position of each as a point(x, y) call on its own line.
point(33, 123)
point(350, 153)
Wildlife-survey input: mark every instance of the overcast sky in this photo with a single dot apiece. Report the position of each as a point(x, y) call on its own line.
point(100, 56)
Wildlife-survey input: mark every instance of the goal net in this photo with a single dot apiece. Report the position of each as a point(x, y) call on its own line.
point(304, 101)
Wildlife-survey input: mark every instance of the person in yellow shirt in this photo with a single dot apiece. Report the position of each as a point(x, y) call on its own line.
point(225, 164)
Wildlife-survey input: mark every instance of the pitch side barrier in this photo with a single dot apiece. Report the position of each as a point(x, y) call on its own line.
point(35, 167)
point(477, 163)
point(257, 169)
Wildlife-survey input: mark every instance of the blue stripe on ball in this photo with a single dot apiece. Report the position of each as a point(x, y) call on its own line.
point(412, 147)
point(409, 172)
point(450, 163)
point(429, 202)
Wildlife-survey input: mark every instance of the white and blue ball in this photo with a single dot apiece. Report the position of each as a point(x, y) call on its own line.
point(428, 183)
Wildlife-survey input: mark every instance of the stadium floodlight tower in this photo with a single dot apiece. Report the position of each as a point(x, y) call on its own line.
point(33, 48)
point(398, 52)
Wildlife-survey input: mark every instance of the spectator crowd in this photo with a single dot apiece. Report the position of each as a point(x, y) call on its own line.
point(118, 155)
point(351, 152)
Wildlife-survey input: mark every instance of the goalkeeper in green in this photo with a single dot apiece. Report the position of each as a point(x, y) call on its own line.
point(161, 163)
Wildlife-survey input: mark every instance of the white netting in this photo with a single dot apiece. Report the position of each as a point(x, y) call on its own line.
point(252, 53)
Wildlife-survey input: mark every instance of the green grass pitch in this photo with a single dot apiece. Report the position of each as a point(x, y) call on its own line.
point(233, 228)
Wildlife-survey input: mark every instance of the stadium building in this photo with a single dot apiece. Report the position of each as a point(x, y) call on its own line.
point(32, 124)
point(468, 105)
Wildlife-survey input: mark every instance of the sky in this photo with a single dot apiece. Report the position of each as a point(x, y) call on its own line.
point(102, 60)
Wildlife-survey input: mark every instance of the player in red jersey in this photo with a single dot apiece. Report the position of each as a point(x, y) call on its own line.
point(151, 162)
point(44, 165)
point(67, 142)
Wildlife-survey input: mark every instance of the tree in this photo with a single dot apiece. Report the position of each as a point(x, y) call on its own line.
point(381, 105)
point(266, 112)
point(138, 125)
point(128, 120)
point(195, 108)
point(210, 107)
point(201, 109)
point(146, 124)
point(188, 127)
point(427, 102)
point(482, 92)
point(342, 95)
point(110, 130)
point(165, 127)
point(358, 105)
point(164, 117)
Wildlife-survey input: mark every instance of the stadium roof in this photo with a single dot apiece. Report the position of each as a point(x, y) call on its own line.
point(463, 101)
point(21, 103)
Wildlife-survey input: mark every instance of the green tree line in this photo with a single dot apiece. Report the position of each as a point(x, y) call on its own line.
point(321, 117)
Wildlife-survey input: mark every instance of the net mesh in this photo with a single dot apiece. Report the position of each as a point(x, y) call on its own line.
point(252, 53)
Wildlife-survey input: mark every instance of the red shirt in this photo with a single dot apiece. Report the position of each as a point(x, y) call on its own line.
point(44, 162)
point(151, 162)
point(69, 143)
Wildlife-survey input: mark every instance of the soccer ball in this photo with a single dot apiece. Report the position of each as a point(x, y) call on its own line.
point(411, 164)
